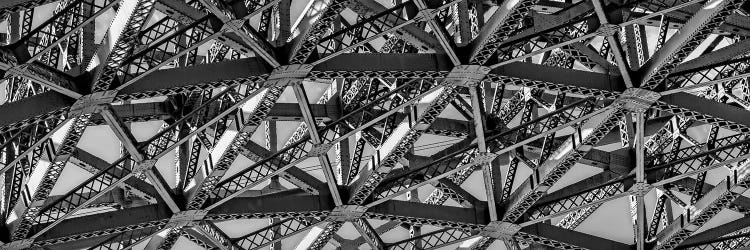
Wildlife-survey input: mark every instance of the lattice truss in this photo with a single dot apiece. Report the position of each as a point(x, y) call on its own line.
point(354, 124)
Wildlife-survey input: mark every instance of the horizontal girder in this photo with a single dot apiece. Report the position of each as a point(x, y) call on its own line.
point(413, 98)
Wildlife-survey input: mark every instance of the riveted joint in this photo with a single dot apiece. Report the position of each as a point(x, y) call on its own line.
point(466, 75)
point(426, 14)
point(346, 213)
point(138, 193)
point(319, 149)
point(35, 203)
point(500, 230)
point(638, 100)
point(144, 166)
point(17, 69)
point(288, 75)
point(187, 218)
point(484, 158)
point(641, 188)
point(92, 103)
point(607, 29)
point(232, 25)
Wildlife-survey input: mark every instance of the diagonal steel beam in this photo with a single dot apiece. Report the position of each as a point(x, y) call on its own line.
point(29, 212)
point(129, 143)
point(678, 47)
point(269, 235)
point(371, 236)
point(322, 156)
point(499, 27)
point(216, 236)
point(431, 240)
point(198, 30)
point(501, 141)
point(153, 149)
point(562, 159)
point(372, 28)
point(222, 159)
point(297, 150)
point(404, 136)
point(706, 208)
point(243, 30)
point(133, 14)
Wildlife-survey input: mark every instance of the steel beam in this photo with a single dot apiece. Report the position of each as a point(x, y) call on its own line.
point(724, 54)
point(706, 208)
point(294, 175)
point(717, 232)
point(563, 238)
point(130, 144)
point(499, 27)
point(222, 159)
point(425, 65)
point(551, 170)
point(132, 14)
point(677, 48)
point(32, 110)
point(457, 161)
point(410, 32)
point(398, 68)
point(558, 79)
point(322, 154)
point(95, 164)
point(726, 116)
point(156, 215)
point(18, 5)
point(183, 80)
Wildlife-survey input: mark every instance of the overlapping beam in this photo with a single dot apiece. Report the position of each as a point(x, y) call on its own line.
point(677, 48)
point(401, 99)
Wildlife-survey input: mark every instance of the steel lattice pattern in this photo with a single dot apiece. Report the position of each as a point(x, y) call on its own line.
point(401, 110)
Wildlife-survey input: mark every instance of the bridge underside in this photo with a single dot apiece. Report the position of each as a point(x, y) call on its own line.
point(363, 124)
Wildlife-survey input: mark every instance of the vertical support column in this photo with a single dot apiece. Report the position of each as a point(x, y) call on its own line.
point(640, 178)
point(613, 42)
point(319, 148)
point(343, 159)
point(272, 143)
point(489, 182)
point(626, 131)
point(182, 161)
point(414, 230)
point(275, 185)
point(637, 102)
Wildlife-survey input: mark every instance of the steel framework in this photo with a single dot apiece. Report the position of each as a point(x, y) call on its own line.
point(655, 93)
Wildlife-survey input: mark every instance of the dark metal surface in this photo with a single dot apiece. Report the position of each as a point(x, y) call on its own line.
point(496, 88)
